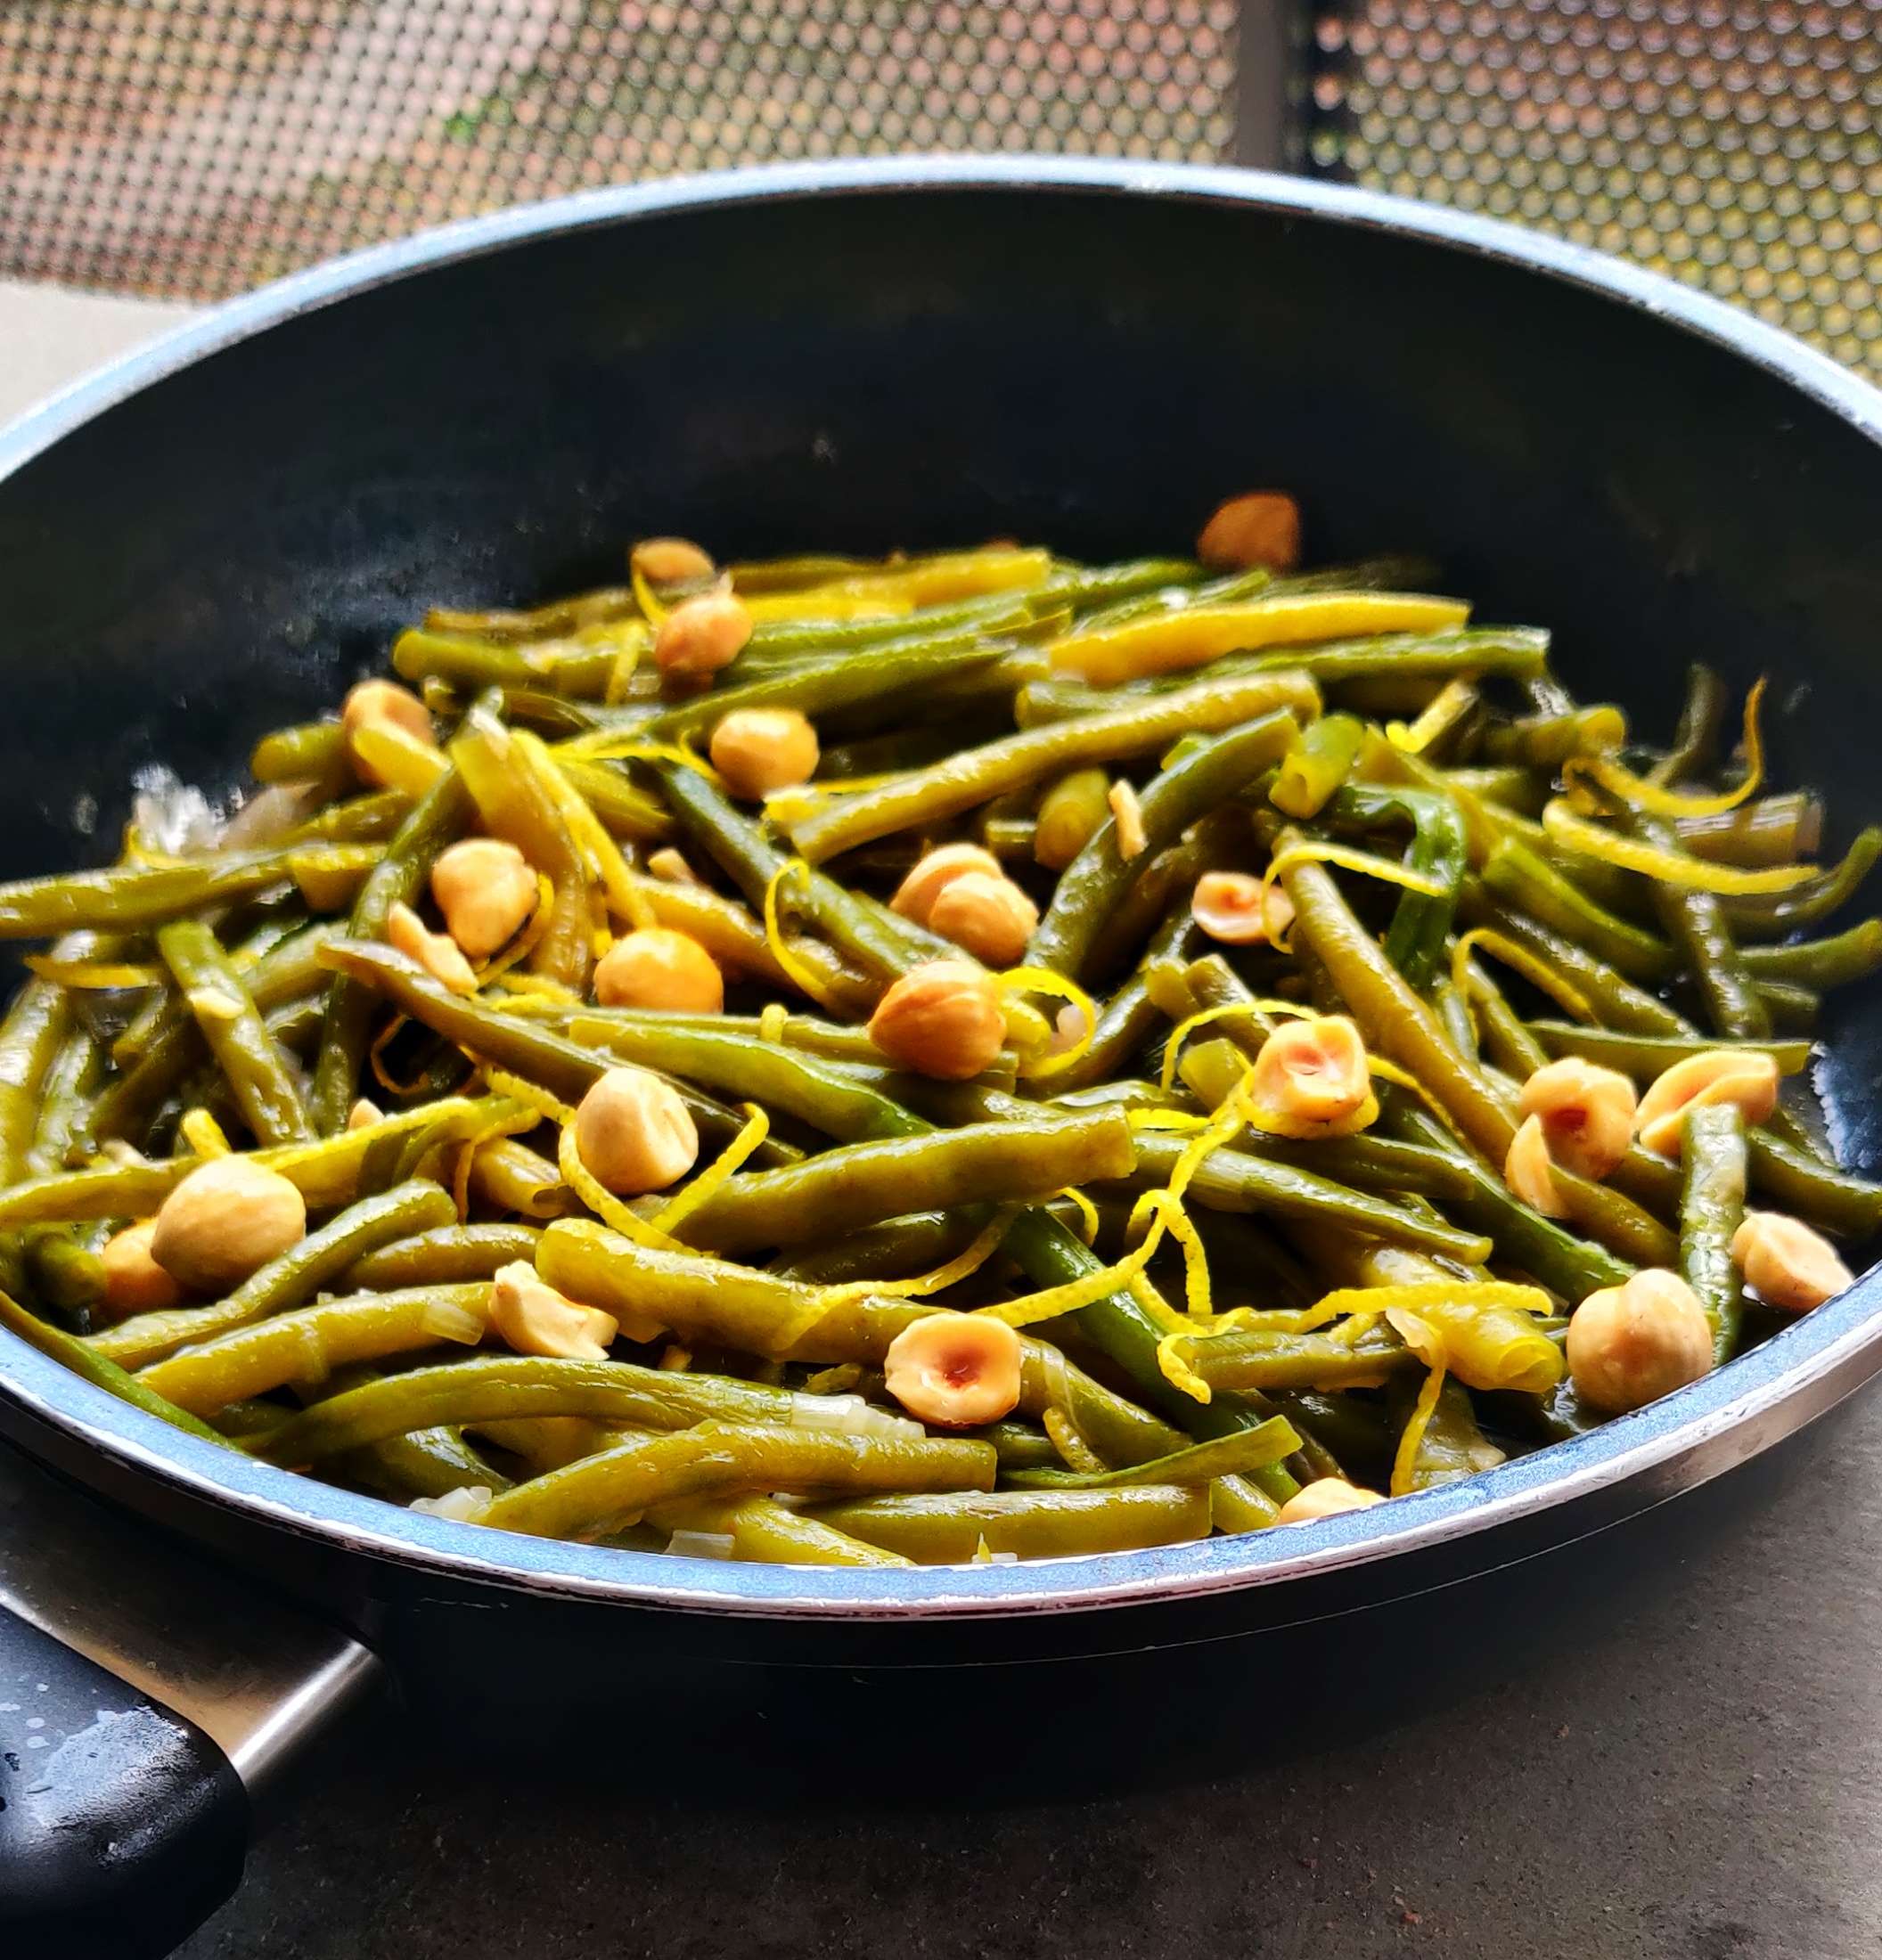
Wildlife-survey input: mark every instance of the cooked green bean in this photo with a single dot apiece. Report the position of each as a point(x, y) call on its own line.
point(265, 1086)
point(1646, 1056)
point(308, 1343)
point(35, 1027)
point(952, 1530)
point(125, 897)
point(1019, 1160)
point(1139, 729)
point(1711, 1207)
point(1696, 923)
point(1768, 830)
point(443, 1256)
point(601, 1493)
point(1839, 961)
point(1526, 881)
point(1548, 740)
point(761, 1528)
point(1071, 813)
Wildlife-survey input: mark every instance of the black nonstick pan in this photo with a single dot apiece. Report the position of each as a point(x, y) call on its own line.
point(219, 534)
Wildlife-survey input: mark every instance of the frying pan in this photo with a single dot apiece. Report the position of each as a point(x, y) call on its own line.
point(219, 534)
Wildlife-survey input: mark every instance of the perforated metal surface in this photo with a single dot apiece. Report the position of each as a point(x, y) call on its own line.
point(194, 147)
point(1736, 146)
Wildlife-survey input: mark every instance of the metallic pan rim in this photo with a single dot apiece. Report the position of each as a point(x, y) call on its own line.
point(1685, 1439)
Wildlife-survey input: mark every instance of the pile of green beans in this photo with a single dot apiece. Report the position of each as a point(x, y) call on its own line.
point(1220, 1300)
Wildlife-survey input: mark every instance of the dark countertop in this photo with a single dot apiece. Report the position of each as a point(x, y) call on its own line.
point(1703, 1781)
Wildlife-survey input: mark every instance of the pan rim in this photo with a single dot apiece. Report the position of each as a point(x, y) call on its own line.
point(1687, 1438)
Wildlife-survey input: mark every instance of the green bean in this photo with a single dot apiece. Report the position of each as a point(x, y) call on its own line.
point(517, 803)
point(900, 749)
point(1526, 881)
point(973, 776)
point(1618, 1002)
point(312, 752)
point(884, 676)
point(624, 811)
point(1246, 1360)
point(601, 1493)
point(1769, 830)
point(263, 1081)
point(1546, 741)
point(63, 1268)
point(1233, 1180)
point(1505, 1040)
point(1319, 760)
point(580, 669)
point(1645, 1056)
point(952, 1530)
point(1712, 1207)
point(567, 1070)
point(1516, 792)
point(1702, 719)
point(1771, 917)
point(1164, 888)
point(398, 879)
point(508, 1176)
point(860, 1183)
point(428, 1463)
point(896, 1248)
point(827, 1095)
point(124, 897)
point(1071, 813)
point(1421, 923)
point(1372, 1163)
point(762, 1529)
point(1020, 1446)
point(1836, 962)
point(502, 1387)
point(373, 818)
point(71, 1352)
point(1091, 886)
point(37, 1025)
point(67, 1099)
point(1793, 1179)
point(296, 1276)
point(332, 1170)
point(560, 616)
point(1696, 923)
point(308, 1343)
point(443, 1256)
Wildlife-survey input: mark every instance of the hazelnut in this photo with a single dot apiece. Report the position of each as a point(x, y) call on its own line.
point(987, 915)
point(1261, 527)
point(437, 953)
point(1228, 906)
point(1127, 814)
point(1746, 1076)
point(1325, 1496)
point(670, 561)
point(1785, 1263)
point(1629, 1345)
point(1310, 1074)
point(957, 1369)
point(1529, 1171)
point(226, 1219)
point(486, 891)
point(634, 1134)
point(669, 865)
point(535, 1318)
point(1586, 1114)
point(936, 870)
point(134, 1282)
point(759, 749)
point(364, 1114)
point(942, 1019)
point(659, 968)
point(383, 702)
point(701, 636)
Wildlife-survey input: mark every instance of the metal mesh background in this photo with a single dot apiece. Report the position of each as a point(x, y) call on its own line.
point(1737, 147)
point(191, 148)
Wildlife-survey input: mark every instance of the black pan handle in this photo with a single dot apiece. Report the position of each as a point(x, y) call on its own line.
point(150, 1703)
point(122, 1825)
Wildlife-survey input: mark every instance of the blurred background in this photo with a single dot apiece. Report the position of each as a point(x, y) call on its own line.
point(189, 149)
